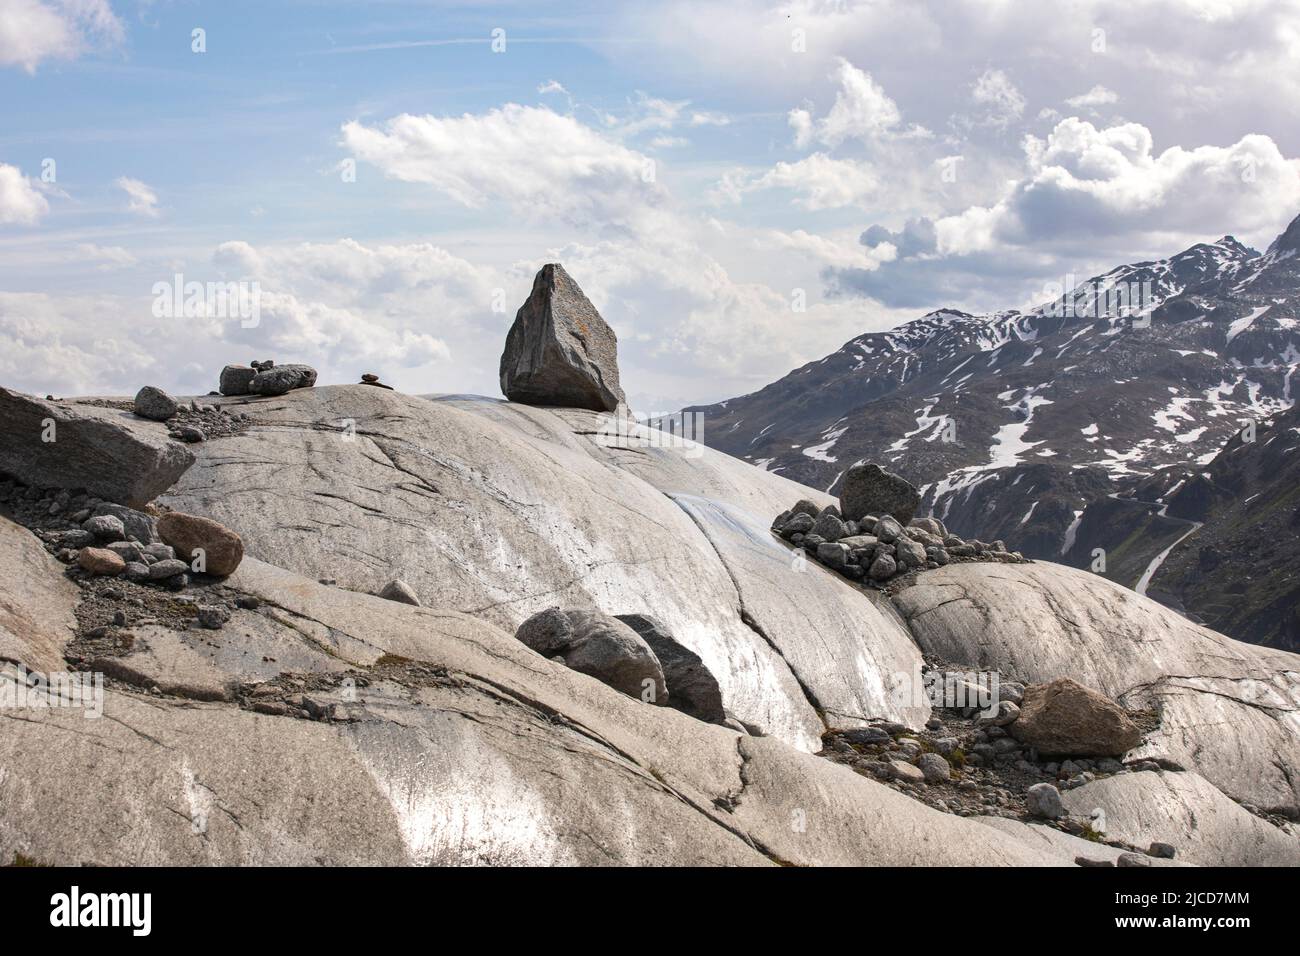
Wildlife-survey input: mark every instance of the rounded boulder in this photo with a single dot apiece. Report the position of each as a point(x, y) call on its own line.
point(222, 548)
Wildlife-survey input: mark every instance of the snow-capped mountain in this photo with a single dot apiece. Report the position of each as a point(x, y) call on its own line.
point(1013, 422)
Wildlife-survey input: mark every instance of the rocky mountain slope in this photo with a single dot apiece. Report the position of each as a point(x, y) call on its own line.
point(1014, 423)
point(285, 713)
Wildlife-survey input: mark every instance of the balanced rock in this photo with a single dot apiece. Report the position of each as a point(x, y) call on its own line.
point(559, 350)
point(282, 379)
point(222, 548)
point(155, 404)
point(692, 688)
point(1066, 719)
point(870, 490)
point(235, 379)
point(600, 646)
point(370, 378)
point(109, 453)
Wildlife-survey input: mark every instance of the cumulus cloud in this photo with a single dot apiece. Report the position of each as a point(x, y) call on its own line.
point(141, 199)
point(32, 30)
point(401, 310)
point(999, 102)
point(820, 182)
point(1104, 192)
point(536, 161)
point(862, 110)
point(1097, 96)
point(20, 201)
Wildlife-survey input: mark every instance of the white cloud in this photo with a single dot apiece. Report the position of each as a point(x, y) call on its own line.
point(552, 86)
point(707, 118)
point(862, 109)
point(821, 181)
point(1097, 96)
point(141, 199)
point(106, 257)
point(32, 30)
point(538, 162)
point(1001, 104)
point(20, 202)
point(343, 307)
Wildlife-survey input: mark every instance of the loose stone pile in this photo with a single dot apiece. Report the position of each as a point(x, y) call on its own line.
point(975, 761)
point(99, 539)
point(879, 547)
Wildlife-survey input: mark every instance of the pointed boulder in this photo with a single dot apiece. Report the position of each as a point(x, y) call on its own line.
point(560, 351)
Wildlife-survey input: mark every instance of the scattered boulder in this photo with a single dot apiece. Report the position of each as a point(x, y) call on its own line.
point(934, 768)
point(399, 591)
point(186, 533)
point(1044, 801)
point(236, 379)
point(883, 567)
point(559, 350)
point(100, 561)
point(155, 404)
point(692, 688)
point(135, 524)
point(905, 772)
point(212, 616)
point(109, 453)
point(163, 570)
point(930, 524)
point(105, 527)
point(281, 379)
point(600, 646)
point(829, 526)
point(1064, 718)
point(868, 489)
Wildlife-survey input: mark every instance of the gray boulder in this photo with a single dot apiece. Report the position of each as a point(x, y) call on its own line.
point(155, 404)
point(559, 350)
point(282, 379)
point(236, 379)
point(600, 646)
point(910, 553)
point(110, 453)
point(868, 489)
point(888, 530)
point(398, 590)
point(692, 688)
point(930, 524)
point(832, 553)
point(829, 526)
point(1044, 801)
point(883, 567)
point(935, 768)
point(805, 507)
point(105, 528)
point(135, 524)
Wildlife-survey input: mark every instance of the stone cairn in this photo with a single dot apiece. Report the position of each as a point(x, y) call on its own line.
point(873, 536)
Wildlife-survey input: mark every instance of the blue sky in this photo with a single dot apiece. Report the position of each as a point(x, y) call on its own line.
point(740, 187)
